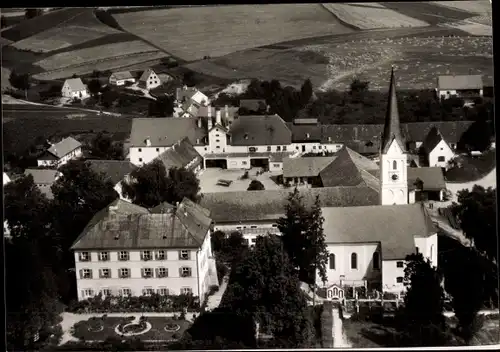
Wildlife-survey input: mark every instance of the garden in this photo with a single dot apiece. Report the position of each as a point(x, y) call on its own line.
point(144, 328)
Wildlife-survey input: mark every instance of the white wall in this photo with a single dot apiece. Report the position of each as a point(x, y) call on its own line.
point(428, 246)
point(238, 163)
point(121, 82)
point(394, 192)
point(390, 273)
point(136, 283)
point(275, 166)
point(313, 147)
point(446, 94)
point(217, 134)
point(442, 149)
point(147, 154)
point(250, 230)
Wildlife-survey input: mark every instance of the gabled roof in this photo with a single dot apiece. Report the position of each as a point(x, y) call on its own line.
point(67, 145)
point(42, 176)
point(394, 226)
point(123, 225)
point(305, 167)
point(350, 169)
point(145, 75)
point(163, 132)
point(185, 92)
point(451, 131)
point(392, 127)
point(432, 178)
point(432, 140)
point(260, 130)
point(75, 84)
point(218, 125)
point(121, 75)
point(305, 133)
point(180, 155)
point(269, 204)
point(460, 82)
point(114, 170)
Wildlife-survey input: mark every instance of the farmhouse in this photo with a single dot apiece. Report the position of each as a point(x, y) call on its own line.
point(115, 171)
point(121, 78)
point(304, 171)
point(127, 250)
point(44, 179)
point(60, 153)
point(75, 89)
point(437, 151)
point(189, 101)
point(182, 155)
point(467, 87)
point(149, 79)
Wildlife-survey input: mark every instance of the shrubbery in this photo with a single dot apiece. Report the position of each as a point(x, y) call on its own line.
point(134, 304)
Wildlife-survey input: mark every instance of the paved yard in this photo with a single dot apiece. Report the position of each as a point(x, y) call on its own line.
point(209, 177)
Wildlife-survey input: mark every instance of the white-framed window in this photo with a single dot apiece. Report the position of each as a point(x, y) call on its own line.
point(441, 158)
point(319, 147)
point(284, 148)
point(217, 147)
point(106, 292)
point(399, 264)
point(140, 160)
point(123, 256)
point(147, 273)
point(84, 257)
point(186, 290)
point(276, 165)
point(125, 292)
point(105, 273)
point(140, 150)
point(278, 148)
point(399, 279)
point(163, 291)
point(216, 134)
point(86, 273)
point(161, 272)
point(124, 273)
point(147, 291)
point(184, 254)
point(160, 255)
point(254, 240)
point(268, 148)
point(88, 292)
point(157, 149)
point(314, 147)
point(354, 261)
point(185, 271)
point(244, 163)
point(146, 255)
point(217, 140)
point(103, 256)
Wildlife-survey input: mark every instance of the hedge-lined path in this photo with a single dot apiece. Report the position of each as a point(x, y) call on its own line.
point(70, 319)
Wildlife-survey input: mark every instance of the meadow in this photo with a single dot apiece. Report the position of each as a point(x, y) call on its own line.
point(196, 32)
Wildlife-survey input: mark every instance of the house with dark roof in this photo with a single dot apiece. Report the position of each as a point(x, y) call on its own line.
point(436, 150)
point(44, 179)
point(305, 171)
point(188, 100)
point(121, 78)
point(115, 171)
point(127, 250)
point(181, 155)
point(75, 89)
point(467, 87)
point(60, 153)
point(149, 79)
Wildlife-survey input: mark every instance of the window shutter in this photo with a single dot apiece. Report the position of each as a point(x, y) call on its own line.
point(81, 273)
point(91, 273)
point(142, 255)
point(143, 272)
point(157, 272)
point(109, 272)
point(101, 274)
point(180, 255)
point(180, 272)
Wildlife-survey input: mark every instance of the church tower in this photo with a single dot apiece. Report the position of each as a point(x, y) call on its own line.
point(393, 157)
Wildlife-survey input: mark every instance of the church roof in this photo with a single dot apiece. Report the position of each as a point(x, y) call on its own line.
point(392, 127)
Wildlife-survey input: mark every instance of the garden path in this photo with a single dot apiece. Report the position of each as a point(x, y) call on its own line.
point(214, 300)
point(339, 338)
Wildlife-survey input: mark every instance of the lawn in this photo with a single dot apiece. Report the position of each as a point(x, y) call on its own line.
point(372, 16)
point(106, 328)
point(195, 32)
point(473, 168)
point(365, 334)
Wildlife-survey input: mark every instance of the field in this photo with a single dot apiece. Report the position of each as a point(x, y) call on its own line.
point(372, 16)
point(481, 7)
point(82, 28)
point(216, 31)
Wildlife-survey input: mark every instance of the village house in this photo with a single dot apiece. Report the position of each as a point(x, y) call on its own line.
point(149, 79)
point(126, 250)
point(436, 151)
point(304, 171)
point(121, 78)
point(115, 171)
point(60, 153)
point(44, 179)
point(188, 101)
point(181, 155)
point(467, 87)
point(75, 89)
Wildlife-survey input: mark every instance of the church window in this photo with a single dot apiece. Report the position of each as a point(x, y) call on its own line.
point(354, 261)
point(376, 261)
point(394, 165)
point(331, 260)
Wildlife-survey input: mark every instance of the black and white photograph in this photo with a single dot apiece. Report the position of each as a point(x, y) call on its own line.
point(250, 176)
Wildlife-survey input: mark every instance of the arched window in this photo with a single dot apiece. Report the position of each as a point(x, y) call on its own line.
point(394, 165)
point(376, 261)
point(331, 259)
point(354, 261)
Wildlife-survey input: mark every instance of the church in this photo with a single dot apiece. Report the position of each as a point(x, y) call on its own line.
point(369, 229)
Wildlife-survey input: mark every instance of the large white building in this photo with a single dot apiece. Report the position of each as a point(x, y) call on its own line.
point(130, 250)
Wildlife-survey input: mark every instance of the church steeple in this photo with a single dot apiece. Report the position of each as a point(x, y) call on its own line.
point(392, 128)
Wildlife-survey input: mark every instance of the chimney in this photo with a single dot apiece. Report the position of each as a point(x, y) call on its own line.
point(148, 142)
point(329, 139)
point(226, 109)
point(209, 123)
point(218, 118)
point(199, 122)
point(307, 135)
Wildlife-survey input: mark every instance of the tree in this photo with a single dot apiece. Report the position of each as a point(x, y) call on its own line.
point(476, 212)
point(358, 89)
point(163, 106)
point(32, 13)
point(94, 87)
point(255, 185)
point(306, 92)
point(303, 238)
point(477, 137)
point(184, 183)
point(20, 81)
point(217, 239)
point(189, 79)
point(103, 147)
point(424, 302)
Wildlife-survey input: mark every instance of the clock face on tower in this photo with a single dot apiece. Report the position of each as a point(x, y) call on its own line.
point(394, 177)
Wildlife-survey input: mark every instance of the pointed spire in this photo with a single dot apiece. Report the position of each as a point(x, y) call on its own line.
point(392, 128)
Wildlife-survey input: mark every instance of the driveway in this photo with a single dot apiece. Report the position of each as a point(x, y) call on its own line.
point(209, 177)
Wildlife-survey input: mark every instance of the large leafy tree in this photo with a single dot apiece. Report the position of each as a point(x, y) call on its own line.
point(303, 237)
point(20, 81)
point(476, 212)
point(255, 185)
point(265, 287)
point(94, 87)
point(424, 303)
point(306, 91)
point(103, 147)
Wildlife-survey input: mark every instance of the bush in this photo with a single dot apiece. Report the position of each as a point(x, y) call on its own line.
point(245, 176)
point(222, 270)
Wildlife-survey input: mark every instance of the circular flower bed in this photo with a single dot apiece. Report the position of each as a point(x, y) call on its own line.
point(133, 328)
point(95, 325)
point(172, 327)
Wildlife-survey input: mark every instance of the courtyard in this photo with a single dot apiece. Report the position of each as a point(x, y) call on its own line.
point(210, 176)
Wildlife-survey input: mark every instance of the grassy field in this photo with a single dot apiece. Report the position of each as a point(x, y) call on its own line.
point(216, 31)
point(428, 12)
point(82, 28)
point(480, 7)
point(372, 16)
